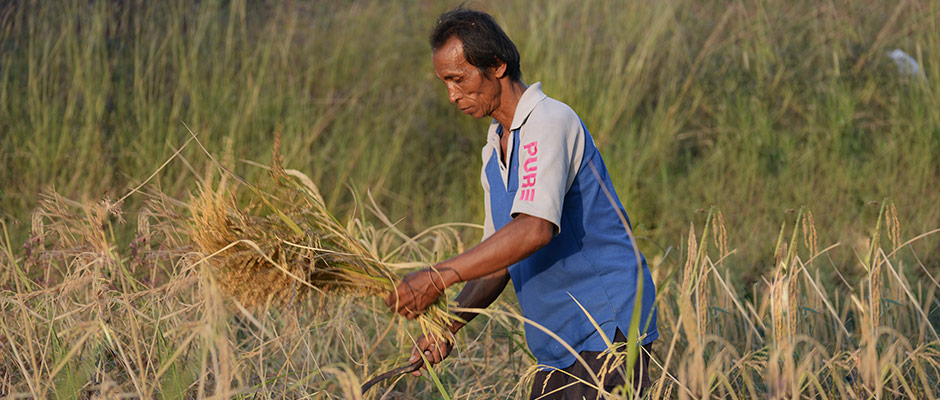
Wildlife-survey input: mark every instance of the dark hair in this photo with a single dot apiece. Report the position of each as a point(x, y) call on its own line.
point(485, 45)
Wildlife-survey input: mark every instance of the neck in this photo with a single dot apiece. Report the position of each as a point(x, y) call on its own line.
point(508, 100)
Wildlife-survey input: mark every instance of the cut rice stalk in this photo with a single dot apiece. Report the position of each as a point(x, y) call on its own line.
point(286, 234)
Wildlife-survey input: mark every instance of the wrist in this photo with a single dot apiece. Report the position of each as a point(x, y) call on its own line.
point(438, 281)
point(444, 277)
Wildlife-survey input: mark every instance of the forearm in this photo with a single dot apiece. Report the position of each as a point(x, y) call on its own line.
point(517, 240)
point(479, 293)
point(513, 242)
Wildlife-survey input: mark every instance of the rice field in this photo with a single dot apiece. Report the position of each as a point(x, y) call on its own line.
point(779, 168)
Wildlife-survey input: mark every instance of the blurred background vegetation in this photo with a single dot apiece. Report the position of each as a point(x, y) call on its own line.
point(755, 107)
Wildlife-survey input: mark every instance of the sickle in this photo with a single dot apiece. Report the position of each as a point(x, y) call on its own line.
point(393, 373)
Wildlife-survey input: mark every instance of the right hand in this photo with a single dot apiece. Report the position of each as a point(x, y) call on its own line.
point(435, 350)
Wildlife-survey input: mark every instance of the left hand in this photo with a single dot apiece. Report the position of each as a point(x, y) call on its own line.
point(435, 350)
point(416, 292)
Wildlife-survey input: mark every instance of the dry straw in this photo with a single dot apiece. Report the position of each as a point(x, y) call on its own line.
point(285, 243)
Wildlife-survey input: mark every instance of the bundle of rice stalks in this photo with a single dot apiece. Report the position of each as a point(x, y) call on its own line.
point(285, 243)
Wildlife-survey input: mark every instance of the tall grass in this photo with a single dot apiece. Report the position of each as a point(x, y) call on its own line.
point(755, 107)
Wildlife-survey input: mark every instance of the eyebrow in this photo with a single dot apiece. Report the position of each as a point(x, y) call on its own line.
point(449, 75)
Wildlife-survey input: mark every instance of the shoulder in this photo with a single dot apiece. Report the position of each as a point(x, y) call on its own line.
point(552, 117)
point(550, 108)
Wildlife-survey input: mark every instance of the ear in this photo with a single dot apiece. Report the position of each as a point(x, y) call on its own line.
point(500, 70)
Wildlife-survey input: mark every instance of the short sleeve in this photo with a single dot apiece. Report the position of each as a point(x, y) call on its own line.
point(551, 147)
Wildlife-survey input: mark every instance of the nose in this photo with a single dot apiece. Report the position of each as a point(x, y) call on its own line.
point(452, 93)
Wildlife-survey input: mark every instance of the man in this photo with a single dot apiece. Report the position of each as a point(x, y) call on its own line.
point(553, 222)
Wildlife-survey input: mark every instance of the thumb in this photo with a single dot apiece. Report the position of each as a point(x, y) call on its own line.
point(414, 355)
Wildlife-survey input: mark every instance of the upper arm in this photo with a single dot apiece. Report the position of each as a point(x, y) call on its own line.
point(538, 229)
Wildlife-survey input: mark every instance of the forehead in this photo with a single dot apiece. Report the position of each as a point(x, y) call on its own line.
point(449, 58)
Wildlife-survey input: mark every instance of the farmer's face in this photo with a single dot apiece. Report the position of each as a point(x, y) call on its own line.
point(473, 92)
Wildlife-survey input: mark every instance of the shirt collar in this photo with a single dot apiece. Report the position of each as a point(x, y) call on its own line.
point(532, 96)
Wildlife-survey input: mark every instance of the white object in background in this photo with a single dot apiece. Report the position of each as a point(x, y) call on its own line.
point(907, 65)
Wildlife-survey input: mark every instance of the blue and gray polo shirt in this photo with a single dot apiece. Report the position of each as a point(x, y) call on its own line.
point(591, 259)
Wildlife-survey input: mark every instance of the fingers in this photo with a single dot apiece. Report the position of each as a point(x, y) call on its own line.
point(408, 312)
point(405, 306)
point(394, 300)
point(434, 351)
point(400, 296)
point(420, 345)
point(414, 294)
point(414, 355)
point(400, 303)
point(403, 299)
point(439, 351)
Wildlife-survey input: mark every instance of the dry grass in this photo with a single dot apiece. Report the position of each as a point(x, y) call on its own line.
point(285, 243)
point(82, 316)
